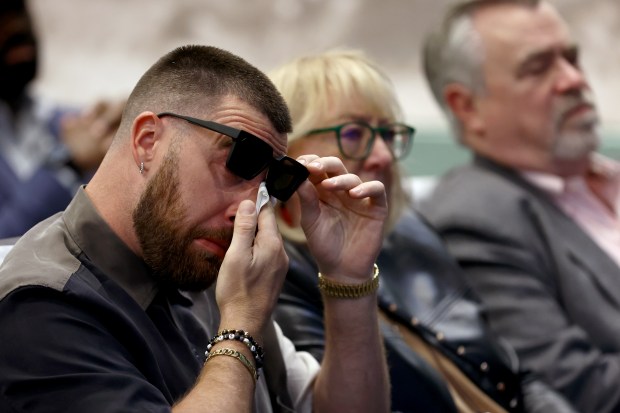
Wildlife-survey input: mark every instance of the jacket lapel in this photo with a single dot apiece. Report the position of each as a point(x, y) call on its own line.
point(579, 247)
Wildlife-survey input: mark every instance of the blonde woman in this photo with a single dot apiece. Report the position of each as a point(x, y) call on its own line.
point(441, 355)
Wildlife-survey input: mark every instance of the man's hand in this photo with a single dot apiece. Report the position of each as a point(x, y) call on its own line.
point(342, 218)
point(253, 271)
point(88, 135)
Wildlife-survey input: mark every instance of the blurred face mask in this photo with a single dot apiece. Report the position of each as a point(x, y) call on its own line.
point(18, 52)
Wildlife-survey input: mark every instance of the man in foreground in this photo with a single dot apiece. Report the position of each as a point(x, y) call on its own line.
point(103, 307)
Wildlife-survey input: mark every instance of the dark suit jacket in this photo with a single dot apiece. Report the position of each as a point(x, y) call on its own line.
point(547, 287)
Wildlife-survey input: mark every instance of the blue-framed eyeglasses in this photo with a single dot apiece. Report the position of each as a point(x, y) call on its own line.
point(249, 156)
point(355, 139)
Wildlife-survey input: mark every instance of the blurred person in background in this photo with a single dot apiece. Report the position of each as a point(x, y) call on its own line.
point(46, 151)
point(343, 105)
point(533, 219)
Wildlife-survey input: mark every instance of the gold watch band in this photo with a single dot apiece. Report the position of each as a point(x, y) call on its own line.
point(341, 290)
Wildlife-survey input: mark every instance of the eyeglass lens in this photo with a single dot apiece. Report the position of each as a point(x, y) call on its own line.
point(398, 138)
point(356, 139)
point(284, 177)
point(247, 158)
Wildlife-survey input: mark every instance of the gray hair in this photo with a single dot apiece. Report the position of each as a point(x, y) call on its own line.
point(455, 53)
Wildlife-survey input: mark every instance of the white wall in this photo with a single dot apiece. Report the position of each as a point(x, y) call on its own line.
point(99, 48)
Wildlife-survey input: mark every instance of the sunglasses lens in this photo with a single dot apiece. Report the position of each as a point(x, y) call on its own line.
point(248, 156)
point(284, 177)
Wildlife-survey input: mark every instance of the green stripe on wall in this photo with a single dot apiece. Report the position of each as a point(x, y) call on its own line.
point(434, 151)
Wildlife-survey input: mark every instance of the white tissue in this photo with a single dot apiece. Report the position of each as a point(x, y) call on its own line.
point(263, 197)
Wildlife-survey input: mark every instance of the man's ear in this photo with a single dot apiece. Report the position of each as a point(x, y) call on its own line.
point(464, 105)
point(146, 132)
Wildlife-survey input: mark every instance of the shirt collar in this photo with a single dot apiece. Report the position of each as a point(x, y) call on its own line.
point(602, 169)
point(107, 251)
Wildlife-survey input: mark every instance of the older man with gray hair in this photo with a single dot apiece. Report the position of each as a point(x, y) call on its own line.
point(533, 219)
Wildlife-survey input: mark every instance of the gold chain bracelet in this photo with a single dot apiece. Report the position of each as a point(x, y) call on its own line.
point(342, 290)
point(235, 354)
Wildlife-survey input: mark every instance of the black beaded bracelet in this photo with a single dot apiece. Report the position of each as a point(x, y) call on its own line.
point(244, 337)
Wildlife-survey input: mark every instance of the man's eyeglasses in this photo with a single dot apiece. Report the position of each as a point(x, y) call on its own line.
point(250, 155)
point(355, 139)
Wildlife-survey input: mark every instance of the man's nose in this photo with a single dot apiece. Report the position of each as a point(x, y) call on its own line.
point(571, 77)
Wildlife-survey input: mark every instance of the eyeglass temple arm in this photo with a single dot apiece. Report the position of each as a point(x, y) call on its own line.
point(323, 130)
point(216, 127)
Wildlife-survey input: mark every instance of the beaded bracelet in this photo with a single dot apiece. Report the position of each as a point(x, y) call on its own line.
point(235, 354)
point(244, 337)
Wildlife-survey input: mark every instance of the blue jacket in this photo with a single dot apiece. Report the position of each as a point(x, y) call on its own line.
point(26, 200)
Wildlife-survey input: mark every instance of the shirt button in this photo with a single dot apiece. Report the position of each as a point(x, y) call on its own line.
point(484, 366)
point(460, 350)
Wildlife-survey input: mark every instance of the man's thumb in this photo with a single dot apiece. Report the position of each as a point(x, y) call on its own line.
point(245, 225)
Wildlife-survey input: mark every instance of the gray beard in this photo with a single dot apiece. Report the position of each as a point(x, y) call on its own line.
point(576, 143)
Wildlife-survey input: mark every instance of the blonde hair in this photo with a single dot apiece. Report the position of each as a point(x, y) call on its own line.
point(312, 85)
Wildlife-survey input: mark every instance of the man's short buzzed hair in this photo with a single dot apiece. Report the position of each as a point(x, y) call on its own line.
point(191, 77)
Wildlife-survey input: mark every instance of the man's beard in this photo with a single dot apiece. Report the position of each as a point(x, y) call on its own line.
point(575, 145)
point(581, 139)
point(166, 245)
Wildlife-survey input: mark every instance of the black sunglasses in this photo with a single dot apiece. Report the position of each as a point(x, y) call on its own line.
point(250, 155)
